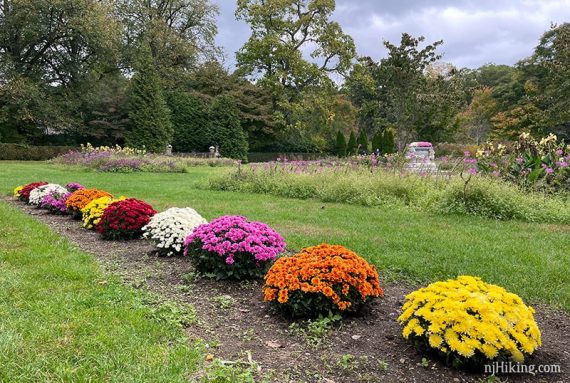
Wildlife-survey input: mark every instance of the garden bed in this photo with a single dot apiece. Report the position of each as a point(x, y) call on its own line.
point(233, 320)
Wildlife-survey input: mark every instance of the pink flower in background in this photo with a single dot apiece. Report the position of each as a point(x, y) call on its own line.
point(472, 171)
point(519, 160)
point(549, 170)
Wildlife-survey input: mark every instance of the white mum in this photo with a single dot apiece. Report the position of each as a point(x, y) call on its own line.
point(38, 194)
point(169, 228)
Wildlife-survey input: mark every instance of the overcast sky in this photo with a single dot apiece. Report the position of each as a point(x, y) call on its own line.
point(475, 32)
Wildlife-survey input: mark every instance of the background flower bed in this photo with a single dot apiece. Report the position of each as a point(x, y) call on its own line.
point(362, 185)
point(126, 160)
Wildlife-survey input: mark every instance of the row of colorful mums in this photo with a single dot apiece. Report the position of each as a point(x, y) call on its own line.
point(466, 321)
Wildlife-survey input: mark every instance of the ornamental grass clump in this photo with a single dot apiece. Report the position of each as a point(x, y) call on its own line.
point(124, 219)
point(470, 322)
point(38, 194)
point(80, 198)
point(24, 193)
point(231, 247)
point(92, 212)
point(170, 228)
point(320, 280)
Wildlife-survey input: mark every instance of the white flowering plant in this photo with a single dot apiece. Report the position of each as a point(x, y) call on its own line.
point(169, 229)
point(38, 194)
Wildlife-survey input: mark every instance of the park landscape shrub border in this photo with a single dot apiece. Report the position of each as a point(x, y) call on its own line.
point(449, 317)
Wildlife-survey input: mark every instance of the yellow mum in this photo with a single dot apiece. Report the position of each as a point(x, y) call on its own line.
point(93, 211)
point(466, 317)
point(17, 191)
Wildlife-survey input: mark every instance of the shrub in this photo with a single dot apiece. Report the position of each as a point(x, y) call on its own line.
point(170, 228)
point(352, 144)
point(23, 152)
point(125, 219)
point(24, 194)
point(37, 195)
point(190, 122)
point(470, 322)
point(225, 129)
point(80, 198)
point(319, 280)
point(54, 202)
point(340, 144)
point(92, 212)
point(231, 247)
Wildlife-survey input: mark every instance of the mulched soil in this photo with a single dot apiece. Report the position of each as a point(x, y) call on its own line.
point(244, 325)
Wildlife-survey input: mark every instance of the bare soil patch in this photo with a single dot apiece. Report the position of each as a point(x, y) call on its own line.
point(234, 321)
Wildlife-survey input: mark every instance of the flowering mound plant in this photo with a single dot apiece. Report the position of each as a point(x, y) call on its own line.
point(170, 228)
point(124, 219)
point(470, 322)
point(24, 194)
point(54, 202)
point(321, 279)
point(74, 186)
point(17, 190)
point(38, 194)
point(80, 198)
point(231, 247)
point(92, 212)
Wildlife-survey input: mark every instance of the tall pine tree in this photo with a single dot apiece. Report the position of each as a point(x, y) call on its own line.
point(362, 142)
point(340, 144)
point(351, 146)
point(149, 126)
point(225, 129)
point(190, 122)
point(377, 142)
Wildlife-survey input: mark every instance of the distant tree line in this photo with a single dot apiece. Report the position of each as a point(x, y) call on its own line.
point(148, 73)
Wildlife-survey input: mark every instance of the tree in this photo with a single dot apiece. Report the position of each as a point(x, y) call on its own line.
point(190, 122)
point(150, 125)
point(180, 33)
point(362, 141)
point(225, 129)
point(352, 145)
point(388, 143)
point(340, 144)
point(476, 119)
point(377, 141)
point(284, 32)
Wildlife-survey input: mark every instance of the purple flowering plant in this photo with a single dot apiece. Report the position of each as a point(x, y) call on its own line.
point(54, 202)
point(231, 247)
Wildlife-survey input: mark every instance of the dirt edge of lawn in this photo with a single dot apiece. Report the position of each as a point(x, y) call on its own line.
point(237, 325)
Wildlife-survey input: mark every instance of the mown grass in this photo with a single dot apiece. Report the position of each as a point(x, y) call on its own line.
point(63, 320)
point(527, 258)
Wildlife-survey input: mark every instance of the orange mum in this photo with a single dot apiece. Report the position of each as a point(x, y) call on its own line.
point(79, 199)
point(321, 278)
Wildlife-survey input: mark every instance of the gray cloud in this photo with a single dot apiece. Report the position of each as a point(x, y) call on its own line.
point(474, 32)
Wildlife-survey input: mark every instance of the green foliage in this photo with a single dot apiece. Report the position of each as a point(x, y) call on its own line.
point(150, 125)
point(485, 197)
point(388, 144)
point(21, 152)
point(352, 145)
point(340, 144)
point(315, 331)
point(190, 122)
point(377, 141)
point(362, 142)
point(225, 130)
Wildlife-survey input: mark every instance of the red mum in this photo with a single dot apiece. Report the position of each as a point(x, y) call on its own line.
point(26, 190)
point(125, 219)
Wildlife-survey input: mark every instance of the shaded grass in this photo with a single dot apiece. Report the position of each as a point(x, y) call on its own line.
point(527, 258)
point(62, 319)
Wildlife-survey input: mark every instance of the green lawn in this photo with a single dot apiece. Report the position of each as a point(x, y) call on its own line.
point(63, 320)
point(529, 259)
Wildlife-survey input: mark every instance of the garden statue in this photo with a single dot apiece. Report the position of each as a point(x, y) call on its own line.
point(168, 150)
point(213, 151)
point(421, 156)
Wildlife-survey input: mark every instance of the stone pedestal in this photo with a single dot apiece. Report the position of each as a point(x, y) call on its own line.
point(421, 156)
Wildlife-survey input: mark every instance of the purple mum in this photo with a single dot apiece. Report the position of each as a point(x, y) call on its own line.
point(55, 202)
point(229, 236)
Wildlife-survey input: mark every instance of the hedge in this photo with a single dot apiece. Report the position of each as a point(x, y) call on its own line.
point(22, 152)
